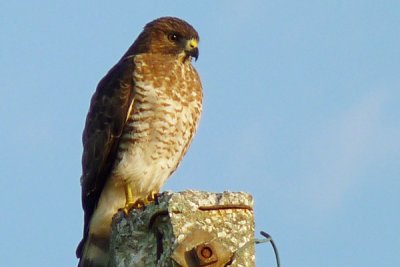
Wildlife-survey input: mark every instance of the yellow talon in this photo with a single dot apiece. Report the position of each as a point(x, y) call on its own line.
point(133, 205)
point(138, 204)
point(152, 196)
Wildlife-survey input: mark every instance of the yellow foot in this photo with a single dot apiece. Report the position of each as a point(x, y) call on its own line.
point(138, 204)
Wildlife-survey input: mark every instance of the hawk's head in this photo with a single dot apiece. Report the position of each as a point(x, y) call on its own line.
point(167, 35)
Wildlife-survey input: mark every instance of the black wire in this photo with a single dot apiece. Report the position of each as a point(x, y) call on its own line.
point(267, 236)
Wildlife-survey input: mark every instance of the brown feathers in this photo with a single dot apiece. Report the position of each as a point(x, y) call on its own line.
point(141, 121)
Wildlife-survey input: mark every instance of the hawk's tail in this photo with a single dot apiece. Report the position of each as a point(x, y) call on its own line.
point(93, 252)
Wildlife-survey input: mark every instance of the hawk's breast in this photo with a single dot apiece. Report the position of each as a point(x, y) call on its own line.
point(162, 121)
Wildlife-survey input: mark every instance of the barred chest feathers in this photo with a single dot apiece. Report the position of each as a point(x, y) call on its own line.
point(162, 121)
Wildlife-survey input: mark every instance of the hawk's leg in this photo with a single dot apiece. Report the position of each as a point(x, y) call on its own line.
point(130, 202)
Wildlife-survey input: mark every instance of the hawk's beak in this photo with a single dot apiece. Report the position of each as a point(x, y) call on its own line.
point(192, 48)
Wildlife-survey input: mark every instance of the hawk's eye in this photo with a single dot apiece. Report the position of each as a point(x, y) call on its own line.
point(173, 37)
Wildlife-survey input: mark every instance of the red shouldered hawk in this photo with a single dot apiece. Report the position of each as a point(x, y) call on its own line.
point(141, 121)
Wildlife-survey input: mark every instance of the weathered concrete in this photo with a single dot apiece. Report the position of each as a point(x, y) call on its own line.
point(189, 228)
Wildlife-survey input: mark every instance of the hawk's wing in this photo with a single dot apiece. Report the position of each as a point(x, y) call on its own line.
point(104, 125)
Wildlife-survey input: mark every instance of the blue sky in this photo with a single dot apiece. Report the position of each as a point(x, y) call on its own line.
point(301, 109)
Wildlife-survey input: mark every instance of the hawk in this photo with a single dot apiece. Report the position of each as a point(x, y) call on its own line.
point(140, 124)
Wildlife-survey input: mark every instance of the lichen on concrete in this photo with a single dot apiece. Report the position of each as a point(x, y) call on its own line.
point(149, 237)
